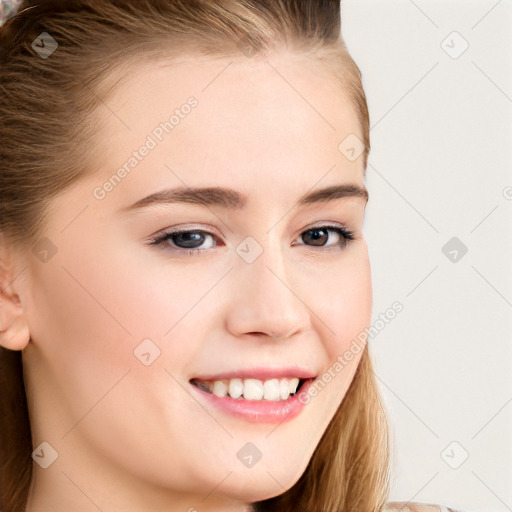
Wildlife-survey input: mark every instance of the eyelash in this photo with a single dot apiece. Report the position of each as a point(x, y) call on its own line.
point(346, 234)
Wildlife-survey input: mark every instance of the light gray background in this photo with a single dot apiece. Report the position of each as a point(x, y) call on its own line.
point(440, 165)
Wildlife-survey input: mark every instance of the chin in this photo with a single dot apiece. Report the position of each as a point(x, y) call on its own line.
point(251, 487)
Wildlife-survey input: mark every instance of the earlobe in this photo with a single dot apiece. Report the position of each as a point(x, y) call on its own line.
point(16, 335)
point(14, 330)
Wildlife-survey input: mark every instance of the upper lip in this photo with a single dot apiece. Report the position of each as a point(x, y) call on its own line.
point(260, 373)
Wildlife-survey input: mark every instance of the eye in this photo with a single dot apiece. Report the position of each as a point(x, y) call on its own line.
point(190, 242)
point(319, 235)
point(186, 241)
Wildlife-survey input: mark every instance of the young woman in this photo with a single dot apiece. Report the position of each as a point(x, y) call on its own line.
point(185, 282)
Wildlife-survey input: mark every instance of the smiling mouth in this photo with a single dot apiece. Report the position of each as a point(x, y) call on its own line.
point(275, 389)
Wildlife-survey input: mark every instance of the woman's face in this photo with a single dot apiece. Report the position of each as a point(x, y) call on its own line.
point(122, 319)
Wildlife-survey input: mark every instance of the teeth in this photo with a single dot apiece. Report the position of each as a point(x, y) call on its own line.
point(271, 389)
point(252, 389)
point(293, 385)
point(284, 389)
point(235, 388)
point(220, 388)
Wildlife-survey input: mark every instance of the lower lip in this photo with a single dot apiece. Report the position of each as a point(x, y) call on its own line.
point(260, 411)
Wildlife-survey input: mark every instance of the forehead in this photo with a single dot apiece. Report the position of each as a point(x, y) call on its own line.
point(253, 121)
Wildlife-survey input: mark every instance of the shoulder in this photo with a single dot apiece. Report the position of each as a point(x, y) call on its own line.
point(415, 506)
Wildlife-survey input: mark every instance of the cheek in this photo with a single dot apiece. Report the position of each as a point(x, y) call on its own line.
point(104, 289)
point(87, 315)
point(345, 301)
point(345, 310)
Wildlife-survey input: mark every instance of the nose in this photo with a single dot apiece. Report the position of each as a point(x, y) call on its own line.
point(265, 300)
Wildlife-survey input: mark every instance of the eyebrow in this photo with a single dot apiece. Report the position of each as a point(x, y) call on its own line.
point(231, 199)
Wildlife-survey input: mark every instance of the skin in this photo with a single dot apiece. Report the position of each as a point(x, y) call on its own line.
point(132, 437)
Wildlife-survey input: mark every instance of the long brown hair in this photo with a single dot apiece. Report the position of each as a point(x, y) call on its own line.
point(48, 138)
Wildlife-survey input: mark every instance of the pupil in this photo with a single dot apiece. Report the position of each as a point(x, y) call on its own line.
point(189, 238)
point(316, 238)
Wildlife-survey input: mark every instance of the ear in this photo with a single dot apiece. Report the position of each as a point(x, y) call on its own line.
point(14, 331)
